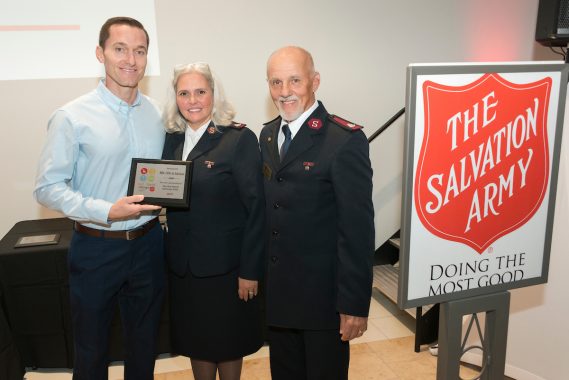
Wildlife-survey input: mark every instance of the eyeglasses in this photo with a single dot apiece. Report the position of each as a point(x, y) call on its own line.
point(200, 66)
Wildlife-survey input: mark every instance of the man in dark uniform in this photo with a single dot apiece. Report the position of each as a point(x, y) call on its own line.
point(318, 185)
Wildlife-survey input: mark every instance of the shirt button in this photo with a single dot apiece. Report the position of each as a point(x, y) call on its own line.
point(274, 259)
point(275, 233)
point(280, 179)
point(276, 205)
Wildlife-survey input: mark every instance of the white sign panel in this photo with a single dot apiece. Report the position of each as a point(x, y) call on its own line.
point(482, 152)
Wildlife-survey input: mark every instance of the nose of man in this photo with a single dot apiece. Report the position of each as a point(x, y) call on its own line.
point(131, 58)
point(285, 90)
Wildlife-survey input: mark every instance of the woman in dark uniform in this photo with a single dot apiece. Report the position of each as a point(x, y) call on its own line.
point(215, 248)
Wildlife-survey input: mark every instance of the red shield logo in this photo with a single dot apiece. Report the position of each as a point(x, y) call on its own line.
point(483, 168)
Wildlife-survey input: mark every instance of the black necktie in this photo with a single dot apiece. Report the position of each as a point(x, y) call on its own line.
point(286, 143)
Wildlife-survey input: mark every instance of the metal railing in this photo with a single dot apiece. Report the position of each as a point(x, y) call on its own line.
point(386, 125)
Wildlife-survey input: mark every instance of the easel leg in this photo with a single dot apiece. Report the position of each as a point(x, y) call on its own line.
point(497, 307)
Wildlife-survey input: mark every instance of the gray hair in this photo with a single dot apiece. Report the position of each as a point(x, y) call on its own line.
point(223, 112)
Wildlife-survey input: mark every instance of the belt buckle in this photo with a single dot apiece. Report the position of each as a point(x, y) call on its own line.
point(129, 236)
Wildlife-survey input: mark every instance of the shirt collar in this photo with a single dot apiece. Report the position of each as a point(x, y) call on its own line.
point(296, 124)
point(201, 129)
point(198, 132)
point(113, 101)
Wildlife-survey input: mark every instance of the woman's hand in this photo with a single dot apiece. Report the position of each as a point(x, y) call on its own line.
point(247, 289)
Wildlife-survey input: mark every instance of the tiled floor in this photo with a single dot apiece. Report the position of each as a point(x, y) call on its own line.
point(384, 352)
point(388, 359)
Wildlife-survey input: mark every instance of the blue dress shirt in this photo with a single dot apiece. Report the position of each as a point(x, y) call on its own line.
point(85, 164)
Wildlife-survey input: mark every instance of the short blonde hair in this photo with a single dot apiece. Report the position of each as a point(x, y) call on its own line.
point(223, 111)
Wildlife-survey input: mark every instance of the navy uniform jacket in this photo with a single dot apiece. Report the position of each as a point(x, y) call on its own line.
point(224, 227)
point(320, 223)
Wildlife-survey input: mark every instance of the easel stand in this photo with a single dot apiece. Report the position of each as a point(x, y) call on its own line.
point(493, 344)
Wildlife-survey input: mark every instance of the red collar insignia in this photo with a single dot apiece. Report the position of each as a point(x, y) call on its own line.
point(315, 123)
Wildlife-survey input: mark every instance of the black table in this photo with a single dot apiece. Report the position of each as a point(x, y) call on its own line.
point(35, 287)
point(11, 367)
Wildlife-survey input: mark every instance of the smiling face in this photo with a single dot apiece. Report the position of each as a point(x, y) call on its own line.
point(194, 97)
point(292, 81)
point(125, 56)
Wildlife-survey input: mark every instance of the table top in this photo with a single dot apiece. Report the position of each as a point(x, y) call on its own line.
point(63, 226)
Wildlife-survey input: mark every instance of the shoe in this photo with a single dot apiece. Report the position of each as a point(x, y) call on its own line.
point(434, 350)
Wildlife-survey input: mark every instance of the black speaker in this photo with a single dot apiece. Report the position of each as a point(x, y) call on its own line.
point(552, 27)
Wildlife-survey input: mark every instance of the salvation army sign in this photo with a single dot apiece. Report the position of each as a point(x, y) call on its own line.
point(494, 171)
point(482, 149)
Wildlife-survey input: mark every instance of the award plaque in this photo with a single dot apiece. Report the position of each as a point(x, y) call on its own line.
point(163, 183)
point(33, 240)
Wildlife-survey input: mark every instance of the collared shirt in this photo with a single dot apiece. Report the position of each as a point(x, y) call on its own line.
point(84, 167)
point(295, 124)
point(192, 138)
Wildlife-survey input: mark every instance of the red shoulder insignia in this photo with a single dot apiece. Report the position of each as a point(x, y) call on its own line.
point(237, 125)
point(344, 123)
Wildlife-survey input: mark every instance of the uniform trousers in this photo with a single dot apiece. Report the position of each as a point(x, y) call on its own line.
point(308, 354)
point(102, 272)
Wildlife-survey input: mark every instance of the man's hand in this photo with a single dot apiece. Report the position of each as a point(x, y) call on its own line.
point(247, 289)
point(128, 207)
point(352, 327)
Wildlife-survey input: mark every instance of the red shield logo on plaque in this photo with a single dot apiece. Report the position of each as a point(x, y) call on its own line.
point(483, 168)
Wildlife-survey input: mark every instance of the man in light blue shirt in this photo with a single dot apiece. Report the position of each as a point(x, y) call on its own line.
point(116, 252)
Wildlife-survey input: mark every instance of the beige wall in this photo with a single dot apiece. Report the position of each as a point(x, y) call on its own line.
point(361, 52)
point(361, 49)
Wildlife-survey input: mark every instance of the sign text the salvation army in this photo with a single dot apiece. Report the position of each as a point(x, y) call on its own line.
point(504, 141)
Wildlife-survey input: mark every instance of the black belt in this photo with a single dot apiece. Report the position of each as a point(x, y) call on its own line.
point(121, 234)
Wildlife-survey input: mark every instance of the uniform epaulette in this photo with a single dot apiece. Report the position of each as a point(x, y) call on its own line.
point(275, 119)
point(344, 123)
point(237, 125)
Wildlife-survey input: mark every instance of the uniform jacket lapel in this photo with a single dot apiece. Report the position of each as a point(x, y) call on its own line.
point(272, 143)
point(306, 136)
point(206, 142)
